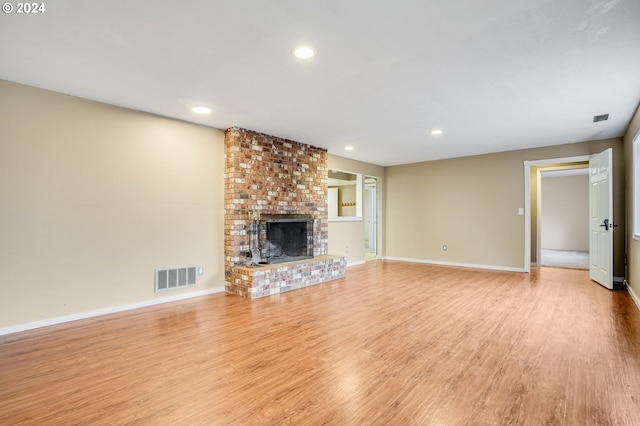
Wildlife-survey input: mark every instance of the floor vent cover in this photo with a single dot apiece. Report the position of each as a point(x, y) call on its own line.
point(171, 279)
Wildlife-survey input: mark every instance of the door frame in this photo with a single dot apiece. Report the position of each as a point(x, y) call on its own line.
point(375, 212)
point(371, 190)
point(527, 197)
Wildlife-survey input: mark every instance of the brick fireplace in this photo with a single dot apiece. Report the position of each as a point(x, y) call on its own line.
point(277, 178)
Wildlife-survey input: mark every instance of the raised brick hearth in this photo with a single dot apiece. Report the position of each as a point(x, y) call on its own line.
point(274, 176)
point(273, 279)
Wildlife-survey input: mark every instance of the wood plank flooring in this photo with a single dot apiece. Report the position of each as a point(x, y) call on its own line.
point(391, 344)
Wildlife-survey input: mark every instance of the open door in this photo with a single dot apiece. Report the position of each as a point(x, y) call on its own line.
point(601, 219)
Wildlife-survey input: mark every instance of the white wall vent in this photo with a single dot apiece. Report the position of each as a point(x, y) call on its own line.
point(171, 279)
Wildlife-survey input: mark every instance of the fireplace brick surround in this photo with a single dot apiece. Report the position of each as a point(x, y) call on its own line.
point(272, 175)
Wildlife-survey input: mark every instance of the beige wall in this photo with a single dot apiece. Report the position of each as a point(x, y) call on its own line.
point(565, 213)
point(94, 198)
point(471, 205)
point(350, 234)
point(346, 200)
point(633, 246)
point(346, 238)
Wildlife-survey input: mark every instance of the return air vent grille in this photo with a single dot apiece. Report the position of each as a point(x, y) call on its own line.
point(171, 279)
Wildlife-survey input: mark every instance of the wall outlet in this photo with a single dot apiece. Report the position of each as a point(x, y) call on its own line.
point(346, 249)
point(444, 247)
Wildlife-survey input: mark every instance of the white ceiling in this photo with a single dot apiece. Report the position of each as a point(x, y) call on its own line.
point(495, 75)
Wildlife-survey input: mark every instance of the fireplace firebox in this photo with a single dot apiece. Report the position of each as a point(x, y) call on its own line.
point(286, 240)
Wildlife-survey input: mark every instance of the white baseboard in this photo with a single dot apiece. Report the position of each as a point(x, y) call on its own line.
point(98, 312)
point(359, 262)
point(461, 265)
point(634, 296)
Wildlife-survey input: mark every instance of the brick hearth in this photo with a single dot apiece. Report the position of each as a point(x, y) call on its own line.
point(274, 176)
point(278, 278)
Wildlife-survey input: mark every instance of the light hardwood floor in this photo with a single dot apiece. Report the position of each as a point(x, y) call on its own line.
point(391, 344)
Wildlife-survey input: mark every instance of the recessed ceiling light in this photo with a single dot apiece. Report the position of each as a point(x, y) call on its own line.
point(349, 148)
point(436, 132)
point(201, 110)
point(303, 52)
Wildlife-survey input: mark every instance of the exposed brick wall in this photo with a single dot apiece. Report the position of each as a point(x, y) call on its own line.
point(274, 176)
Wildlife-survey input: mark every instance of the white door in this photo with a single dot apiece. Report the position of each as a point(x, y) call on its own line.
point(601, 219)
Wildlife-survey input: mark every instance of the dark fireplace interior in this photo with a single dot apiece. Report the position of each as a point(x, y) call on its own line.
point(286, 240)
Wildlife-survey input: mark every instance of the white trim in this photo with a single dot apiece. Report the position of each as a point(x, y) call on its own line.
point(551, 161)
point(359, 262)
point(527, 216)
point(635, 180)
point(359, 193)
point(105, 311)
point(634, 296)
point(359, 188)
point(345, 219)
point(527, 198)
point(461, 265)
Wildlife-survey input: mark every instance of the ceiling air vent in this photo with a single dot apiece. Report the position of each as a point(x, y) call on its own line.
point(601, 117)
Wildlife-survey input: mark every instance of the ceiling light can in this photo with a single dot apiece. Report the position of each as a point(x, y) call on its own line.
point(201, 110)
point(303, 52)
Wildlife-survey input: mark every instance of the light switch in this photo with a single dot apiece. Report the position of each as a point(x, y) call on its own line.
point(520, 211)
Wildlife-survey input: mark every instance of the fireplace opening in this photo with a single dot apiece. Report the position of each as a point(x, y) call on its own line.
point(286, 240)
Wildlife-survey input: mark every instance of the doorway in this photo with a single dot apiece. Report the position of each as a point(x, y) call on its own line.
point(563, 223)
point(532, 211)
point(371, 188)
